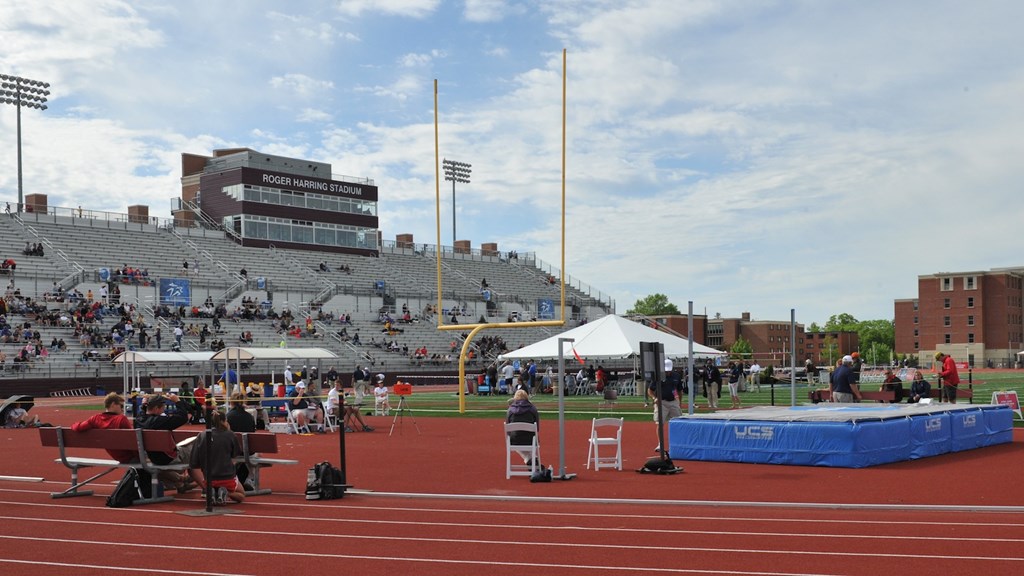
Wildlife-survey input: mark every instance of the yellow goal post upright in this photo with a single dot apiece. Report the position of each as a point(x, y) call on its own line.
point(475, 328)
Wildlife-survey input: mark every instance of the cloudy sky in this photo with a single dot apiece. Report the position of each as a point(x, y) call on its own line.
point(744, 155)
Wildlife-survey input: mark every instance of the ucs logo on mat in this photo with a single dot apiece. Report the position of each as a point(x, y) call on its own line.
point(969, 421)
point(754, 432)
point(933, 425)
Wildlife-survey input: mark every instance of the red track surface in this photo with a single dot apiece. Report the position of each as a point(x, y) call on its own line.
point(711, 519)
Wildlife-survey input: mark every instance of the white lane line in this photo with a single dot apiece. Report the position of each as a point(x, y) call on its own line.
point(544, 543)
point(393, 559)
point(162, 569)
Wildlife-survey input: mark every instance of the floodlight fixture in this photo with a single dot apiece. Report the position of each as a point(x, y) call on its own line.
point(455, 172)
point(23, 92)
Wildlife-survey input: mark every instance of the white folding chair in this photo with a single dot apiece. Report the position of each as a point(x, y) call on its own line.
point(293, 424)
point(599, 426)
point(330, 420)
point(529, 452)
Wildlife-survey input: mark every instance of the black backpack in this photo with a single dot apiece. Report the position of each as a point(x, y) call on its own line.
point(127, 490)
point(330, 480)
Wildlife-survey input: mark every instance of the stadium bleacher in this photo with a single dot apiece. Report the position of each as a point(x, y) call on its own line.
point(76, 249)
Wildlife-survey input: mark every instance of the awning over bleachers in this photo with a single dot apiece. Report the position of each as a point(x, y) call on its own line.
point(157, 357)
point(247, 354)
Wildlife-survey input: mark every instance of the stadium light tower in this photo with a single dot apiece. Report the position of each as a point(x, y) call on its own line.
point(455, 172)
point(22, 92)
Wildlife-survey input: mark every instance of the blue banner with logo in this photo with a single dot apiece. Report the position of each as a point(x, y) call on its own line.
point(545, 309)
point(176, 291)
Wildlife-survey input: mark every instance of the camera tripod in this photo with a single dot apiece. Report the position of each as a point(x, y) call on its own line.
point(400, 410)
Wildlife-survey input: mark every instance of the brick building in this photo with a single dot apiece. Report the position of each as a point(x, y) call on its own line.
point(975, 317)
point(818, 346)
point(769, 339)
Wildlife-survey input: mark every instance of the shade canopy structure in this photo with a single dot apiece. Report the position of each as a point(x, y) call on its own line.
point(156, 357)
point(131, 358)
point(21, 401)
point(611, 337)
point(248, 354)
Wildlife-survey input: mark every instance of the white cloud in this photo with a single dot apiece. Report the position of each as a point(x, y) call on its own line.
point(312, 115)
point(301, 85)
point(490, 10)
point(407, 8)
point(401, 89)
point(413, 60)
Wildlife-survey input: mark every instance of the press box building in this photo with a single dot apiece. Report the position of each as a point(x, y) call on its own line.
point(263, 200)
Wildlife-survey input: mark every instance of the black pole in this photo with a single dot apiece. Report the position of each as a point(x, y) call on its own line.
point(661, 420)
point(341, 438)
point(206, 459)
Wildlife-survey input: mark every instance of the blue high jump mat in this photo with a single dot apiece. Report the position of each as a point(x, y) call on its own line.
point(838, 435)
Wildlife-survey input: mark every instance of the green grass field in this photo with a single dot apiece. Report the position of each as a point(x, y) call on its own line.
point(632, 407)
point(431, 403)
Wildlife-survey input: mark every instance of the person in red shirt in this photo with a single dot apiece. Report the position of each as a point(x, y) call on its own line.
point(112, 418)
point(199, 395)
point(949, 379)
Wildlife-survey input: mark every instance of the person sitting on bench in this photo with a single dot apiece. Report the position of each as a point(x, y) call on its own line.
point(112, 417)
point(892, 383)
point(919, 388)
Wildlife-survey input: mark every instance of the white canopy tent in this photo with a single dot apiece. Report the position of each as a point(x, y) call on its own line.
point(610, 337)
point(132, 358)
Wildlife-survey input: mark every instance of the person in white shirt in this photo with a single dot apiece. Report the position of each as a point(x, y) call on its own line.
point(381, 401)
point(506, 375)
point(351, 412)
point(288, 379)
point(755, 376)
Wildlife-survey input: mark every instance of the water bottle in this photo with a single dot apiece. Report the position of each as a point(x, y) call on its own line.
point(312, 489)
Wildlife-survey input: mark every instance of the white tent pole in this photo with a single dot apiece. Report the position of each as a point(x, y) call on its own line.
point(125, 383)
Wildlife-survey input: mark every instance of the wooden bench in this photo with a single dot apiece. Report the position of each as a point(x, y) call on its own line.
point(136, 440)
point(961, 392)
point(866, 395)
point(254, 445)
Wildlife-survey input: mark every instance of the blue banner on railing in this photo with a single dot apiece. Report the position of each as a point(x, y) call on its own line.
point(545, 309)
point(176, 291)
